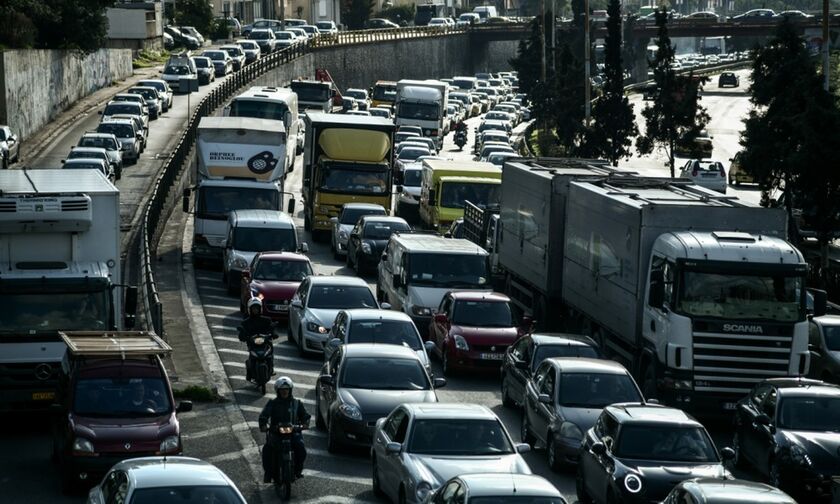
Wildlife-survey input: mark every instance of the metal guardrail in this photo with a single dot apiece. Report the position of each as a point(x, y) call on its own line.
point(701, 71)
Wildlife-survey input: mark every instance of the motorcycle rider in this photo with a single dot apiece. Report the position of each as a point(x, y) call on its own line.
point(283, 410)
point(255, 324)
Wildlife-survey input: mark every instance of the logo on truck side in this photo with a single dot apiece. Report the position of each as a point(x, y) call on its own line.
point(754, 329)
point(263, 162)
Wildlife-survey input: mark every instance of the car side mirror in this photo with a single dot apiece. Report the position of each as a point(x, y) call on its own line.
point(334, 220)
point(130, 306)
point(429, 346)
point(290, 208)
point(185, 202)
point(393, 448)
point(439, 382)
point(820, 302)
point(440, 318)
point(727, 453)
point(598, 448)
point(544, 398)
point(385, 306)
point(327, 380)
point(304, 247)
point(527, 321)
point(296, 303)
point(523, 448)
point(184, 406)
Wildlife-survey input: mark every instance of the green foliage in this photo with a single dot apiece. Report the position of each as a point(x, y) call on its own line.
point(148, 58)
point(398, 13)
point(676, 118)
point(54, 24)
point(527, 61)
point(219, 29)
point(195, 13)
point(356, 12)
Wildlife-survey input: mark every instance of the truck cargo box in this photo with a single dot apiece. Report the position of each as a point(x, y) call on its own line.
point(241, 147)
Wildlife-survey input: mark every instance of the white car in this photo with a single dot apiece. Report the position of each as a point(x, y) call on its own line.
point(317, 302)
point(161, 479)
point(706, 173)
point(327, 26)
point(418, 447)
point(476, 488)
point(408, 202)
point(345, 221)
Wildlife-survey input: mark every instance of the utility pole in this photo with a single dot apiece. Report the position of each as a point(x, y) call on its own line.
point(553, 36)
point(282, 14)
point(588, 81)
point(542, 41)
point(826, 65)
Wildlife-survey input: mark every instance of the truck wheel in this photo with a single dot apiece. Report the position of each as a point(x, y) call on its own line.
point(649, 382)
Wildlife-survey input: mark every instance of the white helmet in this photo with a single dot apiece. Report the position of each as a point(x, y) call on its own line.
point(254, 301)
point(283, 382)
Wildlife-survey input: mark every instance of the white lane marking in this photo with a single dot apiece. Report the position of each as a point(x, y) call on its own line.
point(276, 356)
point(209, 432)
point(333, 499)
point(233, 309)
point(214, 288)
point(226, 338)
point(224, 328)
point(334, 476)
point(310, 374)
point(221, 298)
point(213, 315)
point(304, 386)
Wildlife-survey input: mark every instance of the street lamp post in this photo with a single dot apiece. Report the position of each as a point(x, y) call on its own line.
point(586, 49)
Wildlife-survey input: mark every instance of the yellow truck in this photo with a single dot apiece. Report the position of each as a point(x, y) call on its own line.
point(447, 185)
point(384, 94)
point(347, 159)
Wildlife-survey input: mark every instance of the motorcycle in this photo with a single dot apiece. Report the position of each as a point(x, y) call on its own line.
point(260, 364)
point(284, 464)
point(460, 139)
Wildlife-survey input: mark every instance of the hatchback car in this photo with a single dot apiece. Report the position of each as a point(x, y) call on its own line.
point(729, 79)
point(715, 491)
point(153, 101)
point(163, 91)
point(380, 112)
point(341, 225)
point(564, 398)
point(165, 479)
point(491, 489)
point(264, 38)
point(316, 303)
point(368, 239)
point(361, 383)
point(237, 55)
point(251, 49)
point(12, 144)
point(113, 145)
point(274, 277)
point(418, 447)
point(381, 327)
point(706, 173)
point(206, 70)
point(410, 154)
point(361, 97)
point(222, 62)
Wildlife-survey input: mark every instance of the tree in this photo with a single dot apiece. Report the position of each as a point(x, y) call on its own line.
point(55, 24)
point(613, 121)
point(357, 12)
point(527, 61)
point(676, 118)
point(792, 136)
point(195, 13)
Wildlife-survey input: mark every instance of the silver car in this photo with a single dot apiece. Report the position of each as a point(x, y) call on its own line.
point(11, 144)
point(163, 90)
point(382, 327)
point(475, 488)
point(153, 101)
point(345, 221)
point(420, 446)
point(156, 479)
point(90, 164)
point(112, 146)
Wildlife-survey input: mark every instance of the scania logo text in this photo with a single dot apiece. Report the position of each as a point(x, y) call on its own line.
point(754, 329)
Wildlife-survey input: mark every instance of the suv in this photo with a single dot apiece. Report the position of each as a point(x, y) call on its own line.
point(115, 403)
point(416, 271)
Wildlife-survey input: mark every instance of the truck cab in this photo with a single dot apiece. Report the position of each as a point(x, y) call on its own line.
point(447, 185)
point(114, 402)
point(423, 104)
point(314, 95)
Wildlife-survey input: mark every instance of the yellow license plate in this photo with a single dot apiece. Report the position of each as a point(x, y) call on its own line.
point(43, 396)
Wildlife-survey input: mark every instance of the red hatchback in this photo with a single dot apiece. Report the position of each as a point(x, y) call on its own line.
point(473, 329)
point(274, 277)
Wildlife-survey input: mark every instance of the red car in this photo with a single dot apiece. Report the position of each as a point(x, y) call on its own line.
point(473, 329)
point(274, 277)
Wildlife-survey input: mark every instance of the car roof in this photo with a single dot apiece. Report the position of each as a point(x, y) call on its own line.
point(468, 295)
point(262, 218)
point(450, 411)
point(381, 218)
point(78, 148)
point(373, 350)
point(373, 314)
point(809, 389)
point(630, 413)
point(717, 491)
point(283, 256)
point(84, 160)
point(152, 472)
point(96, 134)
point(587, 365)
point(337, 280)
point(436, 244)
point(521, 485)
point(545, 338)
point(363, 206)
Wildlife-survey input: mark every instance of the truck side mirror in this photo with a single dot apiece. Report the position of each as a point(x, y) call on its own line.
point(185, 203)
point(820, 302)
point(397, 281)
point(291, 207)
point(656, 294)
point(431, 197)
point(130, 306)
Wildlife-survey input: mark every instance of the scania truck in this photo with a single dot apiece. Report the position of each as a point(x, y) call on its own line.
point(698, 293)
point(346, 158)
point(422, 103)
point(240, 165)
point(59, 270)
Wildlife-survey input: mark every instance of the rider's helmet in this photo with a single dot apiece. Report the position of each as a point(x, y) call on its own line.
point(254, 301)
point(283, 382)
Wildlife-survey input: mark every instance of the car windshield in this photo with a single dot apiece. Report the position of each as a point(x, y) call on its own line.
point(282, 271)
point(832, 337)
point(516, 500)
point(275, 110)
point(177, 70)
point(160, 86)
point(412, 178)
point(665, 443)
point(202, 62)
point(356, 93)
point(121, 397)
point(383, 230)
point(233, 51)
point(463, 83)
point(448, 270)
point(820, 414)
point(214, 55)
point(482, 314)
point(420, 111)
point(75, 153)
point(81, 165)
point(402, 136)
point(412, 153)
point(387, 332)
point(351, 215)
point(216, 202)
point(122, 108)
point(384, 373)
point(544, 352)
point(104, 142)
point(247, 239)
point(459, 437)
point(183, 494)
point(596, 390)
point(145, 93)
point(312, 92)
point(454, 194)
point(261, 35)
point(344, 179)
point(248, 45)
point(734, 296)
point(324, 25)
point(340, 297)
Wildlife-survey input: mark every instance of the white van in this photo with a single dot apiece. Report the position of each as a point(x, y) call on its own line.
point(485, 12)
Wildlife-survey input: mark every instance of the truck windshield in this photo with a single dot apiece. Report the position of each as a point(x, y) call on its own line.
point(739, 296)
point(259, 109)
point(453, 194)
point(311, 92)
point(262, 239)
point(121, 397)
point(216, 202)
point(384, 93)
point(54, 310)
point(354, 179)
point(448, 270)
point(420, 111)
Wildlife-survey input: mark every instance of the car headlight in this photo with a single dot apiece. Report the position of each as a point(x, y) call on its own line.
point(424, 488)
point(350, 411)
point(240, 263)
point(570, 430)
point(799, 456)
point(633, 483)
point(342, 234)
point(170, 444)
point(421, 311)
point(313, 327)
point(366, 248)
point(82, 445)
point(461, 343)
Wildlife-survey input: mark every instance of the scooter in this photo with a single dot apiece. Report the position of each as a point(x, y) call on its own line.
point(460, 139)
point(260, 363)
point(285, 463)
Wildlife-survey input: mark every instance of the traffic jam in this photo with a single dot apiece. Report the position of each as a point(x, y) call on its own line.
point(355, 251)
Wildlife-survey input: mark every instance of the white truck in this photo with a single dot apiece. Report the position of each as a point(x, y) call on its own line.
point(422, 103)
point(698, 293)
point(240, 165)
point(59, 271)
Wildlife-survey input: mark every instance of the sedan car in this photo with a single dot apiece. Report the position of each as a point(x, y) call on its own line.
point(343, 224)
point(379, 23)
point(116, 150)
point(381, 327)
point(153, 101)
point(368, 239)
point(90, 164)
point(237, 55)
point(264, 38)
point(327, 27)
point(362, 383)
point(755, 16)
point(787, 430)
point(251, 49)
point(824, 345)
point(705, 173)
point(273, 277)
point(91, 153)
point(729, 79)
point(163, 90)
point(401, 136)
point(12, 144)
point(410, 154)
point(418, 447)
point(491, 489)
point(165, 479)
point(317, 302)
point(499, 158)
point(523, 357)
point(206, 70)
point(639, 452)
point(222, 62)
point(715, 491)
point(380, 112)
point(564, 398)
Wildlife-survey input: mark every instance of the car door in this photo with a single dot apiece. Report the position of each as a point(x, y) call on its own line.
point(296, 312)
point(440, 328)
point(519, 370)
point(602, 466)
point(746, 425)
point(530, 399)
point(544, 413)
point(815, 348)
point(765, 434)
point(337, 331)
point(390, 470)
point(327, 391)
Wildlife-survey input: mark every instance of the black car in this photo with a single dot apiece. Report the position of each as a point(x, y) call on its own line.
point(368, 240)
point(715, 491)
point(564, 398)
point(379, 23)
point(637, 453)
point(362, 383)
point(787, 429)
point(728, 79)
point(525, 354)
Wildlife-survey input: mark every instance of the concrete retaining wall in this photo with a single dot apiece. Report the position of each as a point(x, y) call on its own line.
point(36, 85)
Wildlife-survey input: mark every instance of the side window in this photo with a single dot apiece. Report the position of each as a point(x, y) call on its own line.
point(610, 431)
point(391, 424)
point(540, 374)
point(547, 385)
point(448, 494)
point(768, 407)
point(402, 429)
point(599, 426)
point(301, 292)
point(444, 305)
point(341, 327)
point(460, 495)
point(661, 264)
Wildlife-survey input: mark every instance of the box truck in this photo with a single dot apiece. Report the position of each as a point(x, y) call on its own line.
point(422, 103)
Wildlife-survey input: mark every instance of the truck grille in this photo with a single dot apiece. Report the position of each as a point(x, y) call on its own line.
point(733, 363)
point(28, 375)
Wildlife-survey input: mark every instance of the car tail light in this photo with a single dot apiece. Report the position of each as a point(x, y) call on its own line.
point(721, 170)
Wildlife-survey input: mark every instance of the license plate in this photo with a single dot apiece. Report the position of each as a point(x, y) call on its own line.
point(491, 356)
point(43, 396)
point(278, 307)
point(729, 406)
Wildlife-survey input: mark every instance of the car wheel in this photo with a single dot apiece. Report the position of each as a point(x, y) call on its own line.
point(332, 442)
point(582, 495)
point(377, 487)
point(525, 432)
point(551, 453)
point(319, 419)
point(301, 349)
point(507, 401)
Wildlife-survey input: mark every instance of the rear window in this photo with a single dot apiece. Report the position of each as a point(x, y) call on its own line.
point(118, 130)
point(102, 142)
point(122, 108)
point(202, 63)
